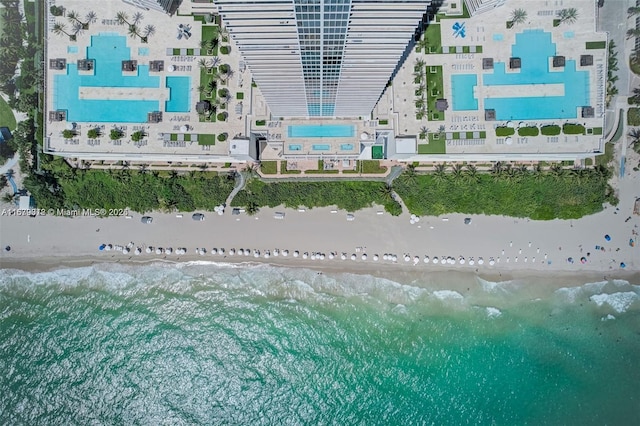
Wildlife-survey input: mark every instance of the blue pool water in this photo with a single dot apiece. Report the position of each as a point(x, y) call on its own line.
point(179, 94)
point(462, 92)
point(108, 51)
point(72, 49)
point(295, 147)
point(321, 131)
point(568, 34)
point(346, 146)
point(535, 48)
point(498, 37)
point(323, 147)
point(143, 51)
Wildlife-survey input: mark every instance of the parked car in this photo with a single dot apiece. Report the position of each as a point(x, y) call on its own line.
point(350, 217)
point(146, 219)
point(199, 217)
point(467, 220)
point(278, 215)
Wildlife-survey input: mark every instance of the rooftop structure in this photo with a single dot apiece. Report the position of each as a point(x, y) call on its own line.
point(322, 58)
point(167, 6)
point(476, 7)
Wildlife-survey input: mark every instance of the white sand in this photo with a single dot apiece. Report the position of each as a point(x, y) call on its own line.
point(47, 239)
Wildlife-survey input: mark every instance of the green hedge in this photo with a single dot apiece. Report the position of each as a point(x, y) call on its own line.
point(504, 131)
point(550, 130)
point(528, 131)
point(573, 129)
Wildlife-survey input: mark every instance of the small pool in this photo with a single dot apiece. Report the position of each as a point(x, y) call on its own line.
point(295, 147)
point(143, 51)
point(321, 131)
point(72, 49)
point(179, 94)
point(498, 37)
point(568, 34)
point(462, 92)
point(323, 147)
point(346, 147)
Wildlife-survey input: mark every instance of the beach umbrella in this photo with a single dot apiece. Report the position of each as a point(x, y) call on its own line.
point(285, 253)
point(353, 257)
point(305, 255)
point(426, 259)
point(583, 260)
point(407, 258)
point(623, 265)
point(461, 260)
point(472, 262)
point(102, 246)
point(266, 254)
point(416, 259)
point(256, 253)
point(158, 250)
point(412, 221)
point(276, 252)
point(232, 251)
point(331, 255)
point(492, 262)
point(138, 251)
point(247, 252)
point(480, 261)
point(451, 260)
point(570, 260)
point(321, 256)
point(148, 250)
point(313, 256)
point(385, 257)
point(296, 253)
point(214, 251)
point(221, 251)
point(394, 258)
point(169, 250)
point(435, 260)
point(417, 219)
point(364, 257)
point(126, 250)
point(607, 237)
point(443, 261)
point(375, 257)
point(108, 247)
point(343, 256)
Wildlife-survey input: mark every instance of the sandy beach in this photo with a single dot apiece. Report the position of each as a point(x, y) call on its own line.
point(515, 245)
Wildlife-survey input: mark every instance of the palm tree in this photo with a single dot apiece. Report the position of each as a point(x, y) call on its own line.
point(556, 170)
point(423, 132)
point(212, 86)
point(133, 31)
point(518, 16)
point(122, 18)
point(214, 61)
point(633, 32)
point(78, 28)
point(419, 65)
point(137, 17)
point(472, 173)
point(91, 17)
point(634, 134)
point(252, 208)
point(386, 191)
point(496, 170)
point(568, 15)
point(60, 28)
point(423, 44)
point(223, 33)
point(456, 172)
point(439, 172)
point(149, 30)
point(420, 104)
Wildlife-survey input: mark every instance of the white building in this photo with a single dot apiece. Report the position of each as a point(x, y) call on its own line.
point(314, 58)
point(167, 6)
point(481, 6)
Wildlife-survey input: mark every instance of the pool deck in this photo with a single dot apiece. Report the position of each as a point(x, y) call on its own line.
point(165, 141)
point(397, 102)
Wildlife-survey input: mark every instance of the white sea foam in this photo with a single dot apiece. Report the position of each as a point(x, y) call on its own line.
point(492, 286)
point(493, 312)
point(448, 295)
point(619, 302)
point(571, 294)
point(609, 317)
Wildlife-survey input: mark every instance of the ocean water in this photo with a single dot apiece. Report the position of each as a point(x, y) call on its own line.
point(216, 344)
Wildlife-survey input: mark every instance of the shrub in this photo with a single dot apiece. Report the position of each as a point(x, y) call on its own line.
point(550, 130)
point(222, 137)
point(224, 50)
point(239, 95)
point(504, 131)
point(137, 136)
point(93, 133)
point(260, 122)
point(528, 131)
point(573, 129)
point(68, 134)
point(222, 116)
point(116, 134)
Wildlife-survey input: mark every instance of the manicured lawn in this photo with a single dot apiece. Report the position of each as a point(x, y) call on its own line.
point(269, 167)
point(432, 35)
point(435, 146)
point(239, 95)
point(435, 91)
point(209, 32)
point(597, 130)
point(550, 130)
point(371, 166)
point(207, 139)
point(596, 44)
point(633, 119)
point(605, 159)
point(6, 116)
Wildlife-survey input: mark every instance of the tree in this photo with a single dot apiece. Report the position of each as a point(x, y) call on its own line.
point(423, 45)
point(252, 208)
point(74, 18)
point(633, 11)
point(633, 32)
point(68, 134)
point(439, 172)
point(60, 28)
point(634, 134)
point(423, 132)
point(137, 17)
point(93, 133)
point(518, 16)
point(456, 172)
point(148, 31)
point(138, 136)
point(472, 173)
point(56, 10)
point(116, 134)
point(569, 15)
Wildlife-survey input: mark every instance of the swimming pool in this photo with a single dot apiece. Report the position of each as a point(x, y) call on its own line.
point(321, 131)
point(179, 94)
point(143, 51)
point(462, 92)
point(323, 147)
point(535, 47)
point(346, 147)
point(108, 51)
point(295, 147)
point(72, 49)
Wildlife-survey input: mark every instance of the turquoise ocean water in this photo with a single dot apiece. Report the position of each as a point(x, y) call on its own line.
point(259, 345)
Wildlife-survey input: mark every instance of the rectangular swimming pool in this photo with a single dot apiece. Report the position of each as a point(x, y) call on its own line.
point(179, 94)
point(323, 147)
point(462, 92)
point(295, 147)
point(346, 146)
point(321, 131)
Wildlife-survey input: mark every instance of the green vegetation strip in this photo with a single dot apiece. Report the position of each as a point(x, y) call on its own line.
point(528, 131)
point(573, 129)
point(538, 196)
point(504, 131)
point(6, 115)
point(435, 91)
point(371, 166)
point(550, 130)
point(633, 118)
point(269, 167)
point(350, 196)
point(596, 44)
